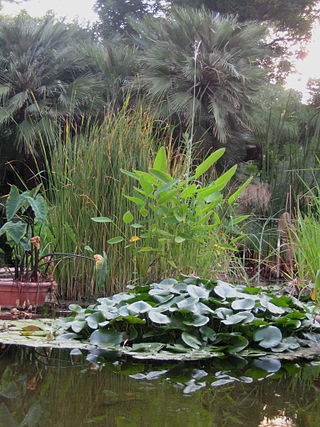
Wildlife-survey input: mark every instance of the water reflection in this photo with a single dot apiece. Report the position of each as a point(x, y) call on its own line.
point(38, 388)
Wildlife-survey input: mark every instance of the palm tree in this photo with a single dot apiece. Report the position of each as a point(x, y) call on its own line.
point(44, 79)
point(201, 69)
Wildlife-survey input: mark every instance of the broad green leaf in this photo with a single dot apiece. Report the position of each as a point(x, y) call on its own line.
point(94, 319)
point(208, 333)
point(14, 230)
point(101, 219)
point(106, 338)
point(235, 342)
point(243, 304)
point(78, 325)
point(265, 302)
point(130, 174)
point(159, 318)
point(189, 191)
point(197, 321)
point(241, 317)
point(208, 162)
point(198, 291)
point(115, 240)
point(191, 340)
point(161, 176)
point(13, 203)
point(127, 217)
point(225, 178)
point(268, 337)
point(237, 193)
point(39, 207)
point(143, 212)
point(139, 307)
point(160, 162)
point(135, 200)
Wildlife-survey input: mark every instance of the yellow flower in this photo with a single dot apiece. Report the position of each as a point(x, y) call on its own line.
point(98, 259)
point(134, 239)
point(35, 241)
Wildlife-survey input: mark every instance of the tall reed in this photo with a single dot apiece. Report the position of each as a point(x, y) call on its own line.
point(84, 180)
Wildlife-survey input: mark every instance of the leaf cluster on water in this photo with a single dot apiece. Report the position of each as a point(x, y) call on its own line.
point(193, 318)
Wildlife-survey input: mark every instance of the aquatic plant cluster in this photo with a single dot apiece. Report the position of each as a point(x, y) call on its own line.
point(194, 318)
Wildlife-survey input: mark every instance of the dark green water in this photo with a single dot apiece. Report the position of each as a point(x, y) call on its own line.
point(58, 391)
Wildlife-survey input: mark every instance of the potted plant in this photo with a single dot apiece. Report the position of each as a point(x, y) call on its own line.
point(29, 282)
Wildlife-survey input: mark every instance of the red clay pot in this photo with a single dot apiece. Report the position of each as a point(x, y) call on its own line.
point(14, 293)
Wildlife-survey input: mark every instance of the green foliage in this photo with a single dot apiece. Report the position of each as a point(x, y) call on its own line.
point(26, 215)
point(202, 68)
point(295, 19)
point(114, 14)
point(176, 216)
point(84, 181)
point(188, 315)
point(44, 78)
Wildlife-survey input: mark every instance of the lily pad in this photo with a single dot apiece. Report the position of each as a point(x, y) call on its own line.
point(268, 337)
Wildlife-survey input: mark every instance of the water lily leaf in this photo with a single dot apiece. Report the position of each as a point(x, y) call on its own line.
point(198, 292)
point(268, 364)
point(289, 323)
point(75, 307)
point(268, 337)
point(139, 307)
point(208, 333)
point(204, 309)
point(225, 290)
point(235, 342)
point(289, 343)
point(187, 303)
point(94, 319)
point(168, 282)
point(176, 348)
point(106, 338)
point(197, 321)
point(274, 309)
point(157, 317)
point(223, 312)
point(241, 317)
point(78, 325)
point(243, 304)
point(191, 340)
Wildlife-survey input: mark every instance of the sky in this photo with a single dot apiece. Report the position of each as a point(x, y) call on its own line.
point(82, 10)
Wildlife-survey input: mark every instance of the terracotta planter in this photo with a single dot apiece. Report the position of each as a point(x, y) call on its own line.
point(14, 293)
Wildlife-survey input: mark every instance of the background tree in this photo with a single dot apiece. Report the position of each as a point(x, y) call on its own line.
point(44, 78)
point(200, 70)
point(114, 14)
point(293, 18)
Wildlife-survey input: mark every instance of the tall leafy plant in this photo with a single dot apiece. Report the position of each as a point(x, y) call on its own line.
point(181, 222)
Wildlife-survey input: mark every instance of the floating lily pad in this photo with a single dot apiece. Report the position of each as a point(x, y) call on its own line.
point(268, 337)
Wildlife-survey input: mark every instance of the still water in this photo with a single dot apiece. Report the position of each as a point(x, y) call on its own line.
point(57, 389)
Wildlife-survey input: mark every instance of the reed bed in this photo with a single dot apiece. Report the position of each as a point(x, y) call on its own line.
point(84, 180)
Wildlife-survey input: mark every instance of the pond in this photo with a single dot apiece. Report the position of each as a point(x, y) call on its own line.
point(41, 387)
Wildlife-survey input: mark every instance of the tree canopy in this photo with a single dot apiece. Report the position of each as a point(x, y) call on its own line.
point(295, 17)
